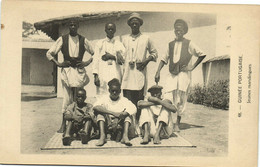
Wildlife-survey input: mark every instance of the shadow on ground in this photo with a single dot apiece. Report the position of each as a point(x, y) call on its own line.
point(37, 96)
point(34, 98)
point(184, 126)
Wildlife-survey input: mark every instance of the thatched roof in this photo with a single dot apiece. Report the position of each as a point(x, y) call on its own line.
point(51, 26)
point(218, 58)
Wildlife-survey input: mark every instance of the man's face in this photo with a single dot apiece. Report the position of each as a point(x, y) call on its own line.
point(135, 25)
point(81, 97)
point(156, 93)
point(114, 91)
point(179, 31)
point(110, 30)
point(73, 27)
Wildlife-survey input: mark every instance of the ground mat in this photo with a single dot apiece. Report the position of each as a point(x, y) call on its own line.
point(56, 143)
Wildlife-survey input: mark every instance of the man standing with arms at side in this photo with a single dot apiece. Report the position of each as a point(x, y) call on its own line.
point(134, 82)
point(73, 73)
point(179, 54)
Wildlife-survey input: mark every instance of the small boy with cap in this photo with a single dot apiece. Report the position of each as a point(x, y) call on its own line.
point(179, 54)
point(79, 116)
point(154, 115)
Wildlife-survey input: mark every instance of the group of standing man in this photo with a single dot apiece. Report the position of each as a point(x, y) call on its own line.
point(123, 66)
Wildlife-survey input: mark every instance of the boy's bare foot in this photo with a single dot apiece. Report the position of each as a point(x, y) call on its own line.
point(101, 142)
point(66, 141)
point(156, 139)
point(84, 137)
point(126, 141)
point(145, 140)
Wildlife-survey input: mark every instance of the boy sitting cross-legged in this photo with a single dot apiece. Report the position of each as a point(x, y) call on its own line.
point(79, 116)
point(114, 111)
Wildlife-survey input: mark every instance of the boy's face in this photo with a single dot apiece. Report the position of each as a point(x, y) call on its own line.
point(179, 32)
point(110, 30)
point(135, 25)
point(156, 93)
point(73, 27)
point(81, 97)
point(114, 91)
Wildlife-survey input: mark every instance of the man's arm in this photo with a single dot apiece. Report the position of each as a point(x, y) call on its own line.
point(143, 104)
point(54, 50)
point(165, 103)
point(197, 52)
point(88, 47)
point(152, 57)
point(157, 75)
point(85, 63)
point(108, 56)
point(101, 110)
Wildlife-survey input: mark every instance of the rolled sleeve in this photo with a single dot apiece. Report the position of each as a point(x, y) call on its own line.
point(151, 49)
point(165, 57)
point(88, 46)
point(195, 50)
point(120, 48)
point(96, 57)
point(130, 107)
point(55, 48)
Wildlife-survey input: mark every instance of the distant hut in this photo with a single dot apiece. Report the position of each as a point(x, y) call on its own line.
point(36, 69)
point(217, 68)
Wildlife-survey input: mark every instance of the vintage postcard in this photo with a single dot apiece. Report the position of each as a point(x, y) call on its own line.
point(129, 84)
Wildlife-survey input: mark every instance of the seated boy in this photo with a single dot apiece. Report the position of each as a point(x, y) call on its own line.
point(79, 116)
point(115, 111)
point(154, 114)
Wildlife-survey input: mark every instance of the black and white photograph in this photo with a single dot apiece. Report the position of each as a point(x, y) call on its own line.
point(123, 82)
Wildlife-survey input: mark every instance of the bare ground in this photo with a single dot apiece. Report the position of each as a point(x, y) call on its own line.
point(207, 128)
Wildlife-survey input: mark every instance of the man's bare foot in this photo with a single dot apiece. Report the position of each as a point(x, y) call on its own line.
point(84, 137)
point(156, 139)
point(145, 140)
point(66, 140)
point(62, 129)
point(101, 141)
point(176, 128)
point(126, 141)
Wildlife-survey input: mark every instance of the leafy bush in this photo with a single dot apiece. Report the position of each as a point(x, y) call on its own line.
point(216, 94)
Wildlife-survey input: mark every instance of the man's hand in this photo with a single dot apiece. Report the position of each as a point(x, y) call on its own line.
point(77, 118)
point(154, 100)
point(140, 66)
point(105, 57)
point(185, 68)
point(157, 77)
point(117, 114)
point(120, 59)
point(123, 115)
point(64, 64)
point(81, 64)
point(108, 56)
point(87, 116)
point(96, 80)
point(84, 63)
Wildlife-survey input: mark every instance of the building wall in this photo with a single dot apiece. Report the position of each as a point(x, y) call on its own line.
point(202, 31)
point(36, 69)
point(217, 70)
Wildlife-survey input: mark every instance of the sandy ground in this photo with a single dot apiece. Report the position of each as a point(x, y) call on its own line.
point(207, 128)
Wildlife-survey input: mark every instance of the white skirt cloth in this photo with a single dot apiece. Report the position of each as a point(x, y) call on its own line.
point(74, 77)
